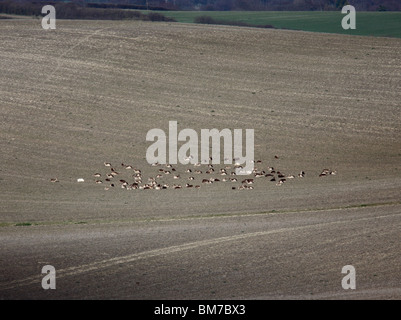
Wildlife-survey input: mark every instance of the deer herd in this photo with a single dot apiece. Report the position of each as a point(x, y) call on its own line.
point(167, 177)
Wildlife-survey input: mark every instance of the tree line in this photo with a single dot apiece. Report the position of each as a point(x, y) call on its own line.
point(116, 9)
point(253, 5)
point(77, 10)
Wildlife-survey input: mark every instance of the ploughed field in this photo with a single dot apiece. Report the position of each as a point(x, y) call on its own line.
point(88, 92)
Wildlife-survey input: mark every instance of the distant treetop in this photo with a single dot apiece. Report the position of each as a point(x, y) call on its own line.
point(253, 5)
point(231, 5)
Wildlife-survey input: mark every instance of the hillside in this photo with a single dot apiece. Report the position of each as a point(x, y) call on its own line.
point(89, 91)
